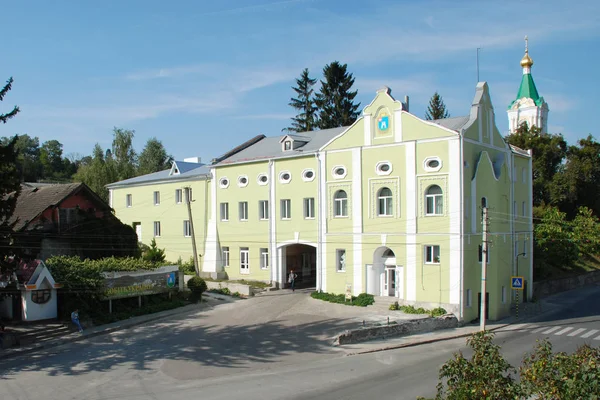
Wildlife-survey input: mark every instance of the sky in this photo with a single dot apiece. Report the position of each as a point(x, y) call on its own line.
point(203, 77)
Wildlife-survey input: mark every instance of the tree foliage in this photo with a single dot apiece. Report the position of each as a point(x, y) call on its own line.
point(437, 108)
point(153, 253)
point(5, 117)
point(153, 158)
point(307, 117)
point(335, 100)
point(123, 153)
point(543, 374)
point(98, 173)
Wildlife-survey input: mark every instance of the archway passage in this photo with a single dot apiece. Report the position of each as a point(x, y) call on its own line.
point(384, 276)
point(302, 259)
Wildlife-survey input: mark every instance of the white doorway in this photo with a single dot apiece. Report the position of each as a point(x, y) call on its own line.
point(138, 230)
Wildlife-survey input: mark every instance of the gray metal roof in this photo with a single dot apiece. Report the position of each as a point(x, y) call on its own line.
point(186, 170)
point(453, 123)
point(300, 138)
point(270, 147)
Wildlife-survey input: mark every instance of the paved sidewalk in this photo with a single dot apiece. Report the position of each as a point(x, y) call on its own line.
point(108, 328)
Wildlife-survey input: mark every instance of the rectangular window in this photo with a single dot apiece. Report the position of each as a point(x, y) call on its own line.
point(525, 248)
point(156, 198)
point(487, 256)
point(503, 294)
point(286, 209)
point(128, 200)
point(188, 195)
point(224, 211)
point(523, 208)
point(156, 228)
point(432, 254)
point(243, 210)
point(263, 209)
point(225, 255)
point(309, 208)
point(340, 260)
point(264, 258)
point(468, 298)
point(187, 228)
point(467, 209)
point(178, 196)
point(244, 260)
point(515, 208)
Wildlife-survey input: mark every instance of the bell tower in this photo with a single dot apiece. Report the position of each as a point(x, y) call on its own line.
point(529, 106)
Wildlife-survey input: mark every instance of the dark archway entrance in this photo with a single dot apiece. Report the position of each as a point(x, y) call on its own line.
point(303, 260)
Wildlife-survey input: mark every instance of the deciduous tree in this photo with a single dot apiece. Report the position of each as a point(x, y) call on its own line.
point(153, 158)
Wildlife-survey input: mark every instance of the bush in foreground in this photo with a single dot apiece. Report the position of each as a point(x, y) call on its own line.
point(197, 286)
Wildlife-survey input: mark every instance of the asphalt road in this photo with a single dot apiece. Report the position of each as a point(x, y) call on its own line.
point(229, 354)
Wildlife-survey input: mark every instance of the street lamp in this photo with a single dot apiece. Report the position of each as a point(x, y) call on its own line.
point(517, 261)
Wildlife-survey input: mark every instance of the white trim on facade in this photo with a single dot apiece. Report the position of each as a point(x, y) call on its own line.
point(398, 125)
point(455, 208)
point(323, 207)
point(273, 253)
point(357, 223)
point(411, 221)
point(211, 262)
point(367, 119)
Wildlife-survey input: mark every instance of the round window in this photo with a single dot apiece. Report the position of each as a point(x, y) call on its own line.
point(340, 171)
point(243, 180)
point(224, 182)
point(384, 167)
point(263, 179)
point(285, 177)
point(433, 163)
point(309, 174)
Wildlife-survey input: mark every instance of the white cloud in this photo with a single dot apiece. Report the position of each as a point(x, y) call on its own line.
point(559, 103)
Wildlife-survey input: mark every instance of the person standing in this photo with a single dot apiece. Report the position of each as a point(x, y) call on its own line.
point(75, 320)
point(292, 280)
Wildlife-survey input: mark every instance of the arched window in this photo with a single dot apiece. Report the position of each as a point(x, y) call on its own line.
point(386, 202)
point(340, 204)
point(434, 199)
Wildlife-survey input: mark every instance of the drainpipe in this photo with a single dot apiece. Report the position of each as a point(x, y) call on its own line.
point(272, 250)
point(462, 229)
point(319, 230)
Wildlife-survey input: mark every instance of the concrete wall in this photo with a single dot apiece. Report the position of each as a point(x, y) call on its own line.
point(244, 290)
point(550, 287)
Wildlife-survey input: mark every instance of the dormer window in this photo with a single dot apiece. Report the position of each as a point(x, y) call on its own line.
point(293, 142)
point(287, 145)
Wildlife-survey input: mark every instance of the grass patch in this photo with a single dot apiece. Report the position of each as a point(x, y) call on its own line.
point(362, 300)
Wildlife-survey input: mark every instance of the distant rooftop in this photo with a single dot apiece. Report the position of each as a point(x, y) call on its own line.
point(452, 123)
point(179, 170)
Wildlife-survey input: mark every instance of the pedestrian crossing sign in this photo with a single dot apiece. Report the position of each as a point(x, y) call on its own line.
point(516, 282)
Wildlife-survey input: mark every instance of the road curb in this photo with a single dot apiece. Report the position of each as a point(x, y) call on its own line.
point(75, 337)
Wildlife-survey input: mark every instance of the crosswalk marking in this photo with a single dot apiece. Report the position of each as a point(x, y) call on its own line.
point(529, 327)
point(577, 332)
point(551, 330)
point(563, 331)
point(539, 329)
point(590, 333)
point(597, 337)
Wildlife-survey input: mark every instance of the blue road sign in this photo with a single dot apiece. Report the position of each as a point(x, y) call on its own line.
point(516, 282)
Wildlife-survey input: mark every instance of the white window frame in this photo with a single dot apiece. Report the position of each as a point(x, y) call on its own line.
point(426, 162)
point(156, 198)
point(243, 210)
point(286, 209)
point(189, 197)
point(242, 178)
point(340, 204)
point(430, 254)
point(380, 164)
point(264, 258)
point(128, 200)
point(156, 228)
point(178, 196)
point(388, 203)
point(287, 145)
point(306, 178)
point(263, 210)
point(225, 256)
point(335, 169)
point(187, 228)
point(224, 182)
point(259, 179)
point(282, 180)
point(340, 260)
point(309, 207)
point(224, 210)
point(244, 260)
point(435, 198)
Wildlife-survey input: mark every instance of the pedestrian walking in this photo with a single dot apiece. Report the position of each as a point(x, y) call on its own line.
point(75, 320)
point(292, 280)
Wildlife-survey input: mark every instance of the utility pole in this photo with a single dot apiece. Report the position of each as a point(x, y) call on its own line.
point(479, 48)
point(188, 200)
point(484, 224)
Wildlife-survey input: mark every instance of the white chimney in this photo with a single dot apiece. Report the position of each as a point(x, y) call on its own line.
point(195, 160)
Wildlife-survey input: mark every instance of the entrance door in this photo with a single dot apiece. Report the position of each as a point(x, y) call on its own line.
point(138, 230)
point(391, 274)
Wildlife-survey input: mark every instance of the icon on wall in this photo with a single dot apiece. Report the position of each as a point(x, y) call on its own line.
point(383, 122)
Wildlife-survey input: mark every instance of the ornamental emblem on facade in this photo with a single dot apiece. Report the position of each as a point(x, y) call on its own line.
point(383, 122)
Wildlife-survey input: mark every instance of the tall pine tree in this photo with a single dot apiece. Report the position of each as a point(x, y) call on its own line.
point(436, 108)
point(307, 117)
point(336, 100)
point(5, 117)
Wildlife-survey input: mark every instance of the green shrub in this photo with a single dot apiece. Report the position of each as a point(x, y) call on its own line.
point(153, 253)
point(236, 294)
point(394, 306)
point(224, 291)
point(437, 312)
point(187, 267)
point(197, 286)
point(362, 300)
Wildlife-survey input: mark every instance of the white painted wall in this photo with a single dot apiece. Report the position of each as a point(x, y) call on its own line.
point(35, 312)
